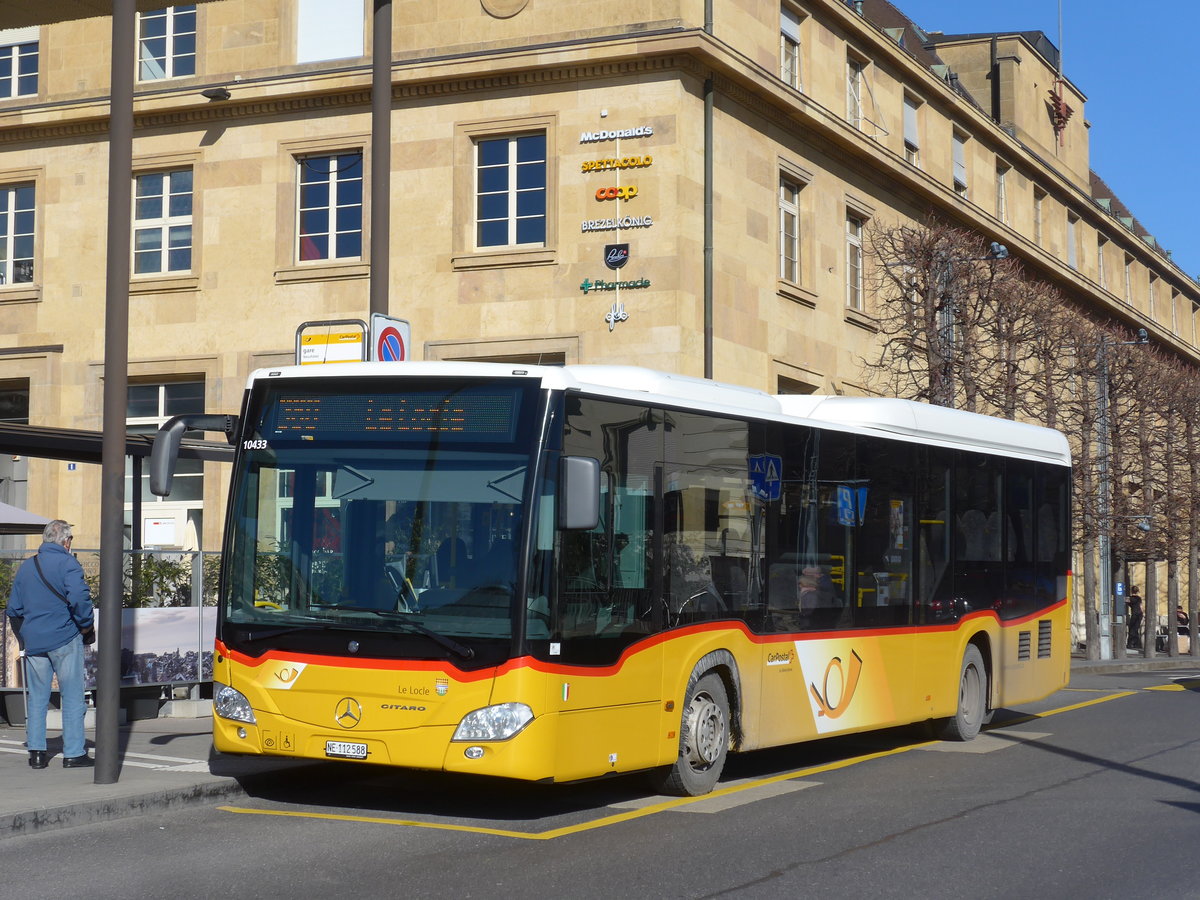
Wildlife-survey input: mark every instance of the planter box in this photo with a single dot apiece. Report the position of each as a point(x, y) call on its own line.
point(14, 707)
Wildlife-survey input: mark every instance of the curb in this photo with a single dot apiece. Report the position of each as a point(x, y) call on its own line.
point(109, 809)
point(1132, 664)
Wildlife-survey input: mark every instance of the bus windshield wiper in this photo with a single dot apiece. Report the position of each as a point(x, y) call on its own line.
point(416, 628)
point(494, 484)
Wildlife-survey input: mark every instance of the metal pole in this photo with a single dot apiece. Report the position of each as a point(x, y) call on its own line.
point(708, 227)
point(1105, 502)
point(116, 379)
point(381, 157)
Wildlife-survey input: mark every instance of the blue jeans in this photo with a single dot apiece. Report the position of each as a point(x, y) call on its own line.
point(67, 663)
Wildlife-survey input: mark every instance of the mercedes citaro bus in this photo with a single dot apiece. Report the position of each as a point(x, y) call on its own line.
point(559, 573)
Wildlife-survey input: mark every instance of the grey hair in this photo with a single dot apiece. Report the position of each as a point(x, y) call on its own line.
point(57, 531)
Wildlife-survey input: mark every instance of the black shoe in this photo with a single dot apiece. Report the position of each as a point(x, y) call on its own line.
point(78, 762)
point(37, 759)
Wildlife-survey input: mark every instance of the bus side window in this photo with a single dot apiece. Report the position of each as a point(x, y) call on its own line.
point(806, 570)
point(603, 597)
point(884, 593)
point(1020, 575)
point(935, 581)
point(978, 576)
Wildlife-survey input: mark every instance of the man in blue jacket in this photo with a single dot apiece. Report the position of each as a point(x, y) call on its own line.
point(52, 604)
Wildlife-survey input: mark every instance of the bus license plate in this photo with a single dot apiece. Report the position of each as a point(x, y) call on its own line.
point(344, 750)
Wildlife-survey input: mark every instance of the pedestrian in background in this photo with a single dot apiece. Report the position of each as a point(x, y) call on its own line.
point(1134, 639)
point(52, 613)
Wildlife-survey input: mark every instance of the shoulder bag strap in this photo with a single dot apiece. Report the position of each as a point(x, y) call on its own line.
point(42, 575)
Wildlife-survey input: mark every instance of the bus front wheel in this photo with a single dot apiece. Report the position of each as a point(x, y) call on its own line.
point(972, 711)
point(704, 740)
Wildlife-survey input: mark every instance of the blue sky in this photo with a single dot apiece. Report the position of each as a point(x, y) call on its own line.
point(1136, 63)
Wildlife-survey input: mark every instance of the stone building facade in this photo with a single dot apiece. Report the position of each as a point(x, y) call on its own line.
point(528, 139)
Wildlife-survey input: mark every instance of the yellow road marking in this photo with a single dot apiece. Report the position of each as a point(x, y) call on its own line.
point(1166, 687)
point(1074, 706)
point(604, 821)
point(663, 806)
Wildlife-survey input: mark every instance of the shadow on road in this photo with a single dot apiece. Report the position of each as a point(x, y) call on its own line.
point(440, 796)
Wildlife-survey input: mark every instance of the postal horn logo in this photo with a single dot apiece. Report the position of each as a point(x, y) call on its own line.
point(616, 255)
point(837, 690)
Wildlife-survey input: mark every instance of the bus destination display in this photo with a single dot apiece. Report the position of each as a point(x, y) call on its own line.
point(466, 415)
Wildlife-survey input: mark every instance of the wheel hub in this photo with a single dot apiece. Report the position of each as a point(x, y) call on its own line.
point(707, 734)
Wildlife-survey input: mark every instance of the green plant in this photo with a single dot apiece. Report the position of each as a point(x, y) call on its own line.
point(8, 570)
point(158, 581)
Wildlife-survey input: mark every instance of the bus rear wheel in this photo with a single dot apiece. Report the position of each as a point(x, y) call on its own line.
point(972, 711)
point(704, 740)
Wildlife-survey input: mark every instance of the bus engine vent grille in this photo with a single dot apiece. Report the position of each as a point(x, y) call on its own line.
point(1044, 639)
point(1023, 641)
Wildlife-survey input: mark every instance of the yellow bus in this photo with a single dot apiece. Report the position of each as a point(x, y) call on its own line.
point(561, 573)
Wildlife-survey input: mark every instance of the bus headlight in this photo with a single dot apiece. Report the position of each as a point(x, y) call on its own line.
point(493, 723)
point(231, 704)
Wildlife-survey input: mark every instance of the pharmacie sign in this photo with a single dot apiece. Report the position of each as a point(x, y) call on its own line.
point(601, 284)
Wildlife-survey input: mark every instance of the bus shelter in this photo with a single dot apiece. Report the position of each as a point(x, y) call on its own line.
point(143, 680)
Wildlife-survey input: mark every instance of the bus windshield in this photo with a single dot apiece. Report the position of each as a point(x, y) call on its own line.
point(392, 511)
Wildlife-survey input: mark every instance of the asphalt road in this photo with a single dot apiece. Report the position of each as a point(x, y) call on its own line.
point(1097, 796)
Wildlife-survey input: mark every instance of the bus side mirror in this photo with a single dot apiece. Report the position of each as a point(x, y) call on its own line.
point(165, 451)
point(579, 493)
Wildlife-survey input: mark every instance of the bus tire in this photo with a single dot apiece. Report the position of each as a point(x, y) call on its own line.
point(972, 699)
point(703, 740)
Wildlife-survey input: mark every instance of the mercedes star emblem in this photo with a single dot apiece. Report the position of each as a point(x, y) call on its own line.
point(348, 712)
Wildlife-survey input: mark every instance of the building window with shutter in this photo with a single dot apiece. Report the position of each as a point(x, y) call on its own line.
point(1039, 202)
point(1002, 170)
point(1072, 246)
point(960, 164)
point(855, 73)
point(789, 48)
point(912, 132)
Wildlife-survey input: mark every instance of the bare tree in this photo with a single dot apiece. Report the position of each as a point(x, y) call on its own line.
point(1138, 403)
point(935, 288)
point(958, 328)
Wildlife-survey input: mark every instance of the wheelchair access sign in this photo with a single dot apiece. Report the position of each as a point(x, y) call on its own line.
point(766, 482)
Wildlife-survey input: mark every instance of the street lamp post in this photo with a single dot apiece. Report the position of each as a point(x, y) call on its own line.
point(1104, 444)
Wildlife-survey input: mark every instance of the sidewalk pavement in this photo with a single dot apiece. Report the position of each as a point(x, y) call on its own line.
point(165, 763)
point(168, 763)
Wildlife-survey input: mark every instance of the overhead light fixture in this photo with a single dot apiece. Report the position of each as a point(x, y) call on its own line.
point(217, 93)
